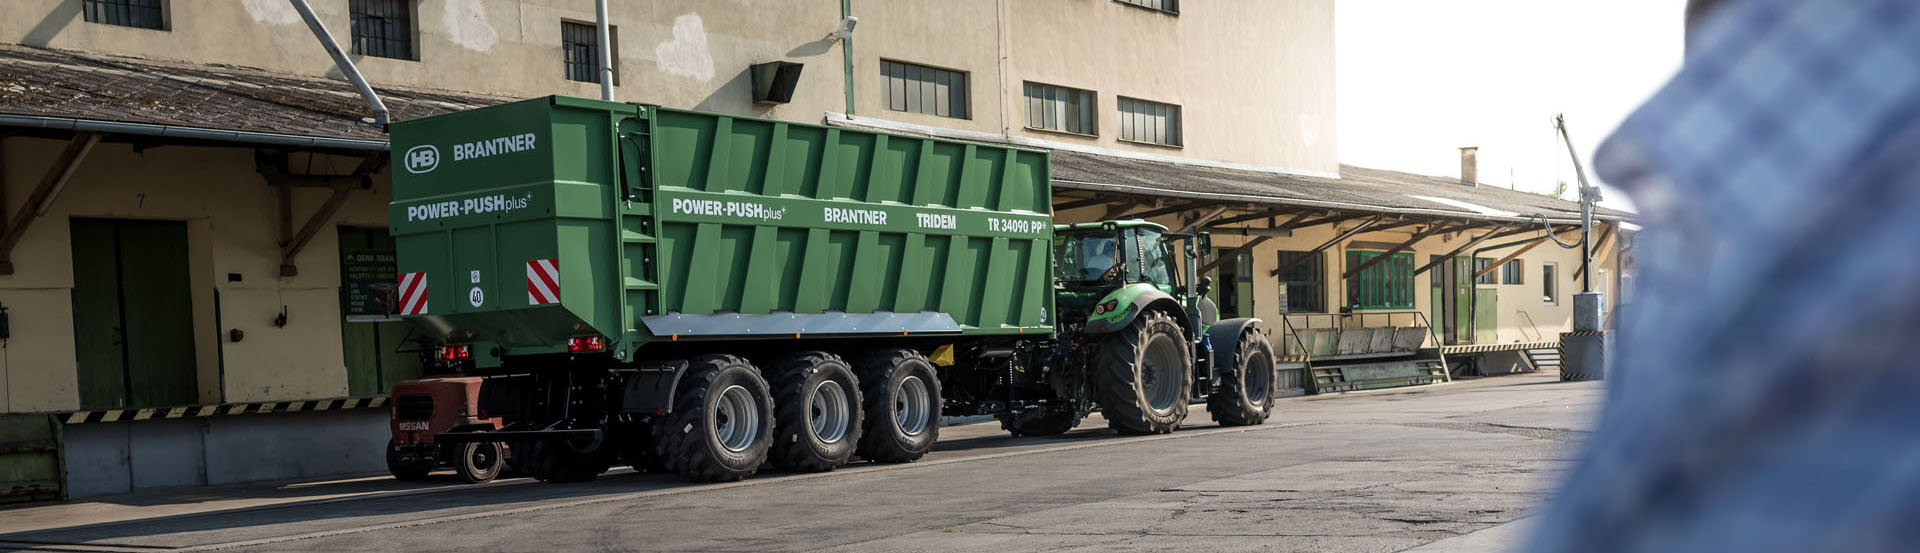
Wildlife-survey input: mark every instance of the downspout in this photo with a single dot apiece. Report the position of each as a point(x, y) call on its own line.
point(846, 52)
point(606, 50)
point(346, 65)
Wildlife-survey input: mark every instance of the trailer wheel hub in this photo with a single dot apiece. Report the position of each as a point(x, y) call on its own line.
point(829, 411)
point(736, 421)
point(912, 409)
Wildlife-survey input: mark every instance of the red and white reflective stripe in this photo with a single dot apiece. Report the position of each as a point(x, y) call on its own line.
point(413, 293)
point(543, 281)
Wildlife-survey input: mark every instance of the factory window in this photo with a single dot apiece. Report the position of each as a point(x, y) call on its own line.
point(145, 14)
point(1510, 273)
point(1548, 286)
point(1385, 285)
point(1168, 6)
point(382, 28)
point(1306, 281)
point(1058, 108)
point(1149, 122)
point(921, 89)
point(1480, 264)
point(580, 51)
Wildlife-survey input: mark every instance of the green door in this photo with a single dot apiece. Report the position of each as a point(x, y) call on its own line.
point(1233, 285)
point(1486, 318)
point(1463, 286)
point(132, 314)
point(375, 343)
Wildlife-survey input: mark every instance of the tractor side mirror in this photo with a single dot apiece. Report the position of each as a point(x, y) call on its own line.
point(1206, 241)
point(1206, 285)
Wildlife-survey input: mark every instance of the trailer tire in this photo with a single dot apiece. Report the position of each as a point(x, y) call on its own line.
point(480, 461)
point(1040, 422)
point(560, 461)
point(1245, 396)
point(816, 412)
point(902, 404)
point(722, 421)
point(1143, 375)
point(403, 469)
point(640, 453)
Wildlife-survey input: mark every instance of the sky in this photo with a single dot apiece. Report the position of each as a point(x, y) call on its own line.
point(1418, 79)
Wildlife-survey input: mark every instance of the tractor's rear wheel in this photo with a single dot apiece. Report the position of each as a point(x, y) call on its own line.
point(1144, 375)
point(722, 421)
point(816, 403)
point(1040, 422)
point(902, 406)
point(480, 461)
point(1245, 396)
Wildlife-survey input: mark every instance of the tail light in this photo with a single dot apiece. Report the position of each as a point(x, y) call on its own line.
point(585, 344)
point(455, 353)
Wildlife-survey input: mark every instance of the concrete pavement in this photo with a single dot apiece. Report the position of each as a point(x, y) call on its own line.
point(1441, 468)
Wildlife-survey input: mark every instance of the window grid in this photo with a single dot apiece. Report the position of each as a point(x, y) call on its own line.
point(1169, 6)
point(1481, 264)
point(1385, 285)
point(580, 52)
point(144, 14)
point(1306, 282)
point(382, 28)
point(1548, 287)
point(921, 89)
point(1510, 273)
point(1058, 108)
point(1149, 122)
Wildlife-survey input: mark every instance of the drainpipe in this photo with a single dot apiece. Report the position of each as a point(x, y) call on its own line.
point(846, 52)
point(346, 65)
point(606, 50)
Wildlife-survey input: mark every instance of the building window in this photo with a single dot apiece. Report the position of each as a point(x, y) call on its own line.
point(921, 89)
point(145, 14)
point(580, 51)
point(1385, 285)
point(1058, 108)
point(1548, 286)
point(1510, 273)
point(1168, 6)
point(1488, 277)
point(1149, 122)
point(1306, 281)
point(382, 28)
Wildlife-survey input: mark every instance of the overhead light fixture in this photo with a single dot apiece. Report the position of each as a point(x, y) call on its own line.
point(846, 27)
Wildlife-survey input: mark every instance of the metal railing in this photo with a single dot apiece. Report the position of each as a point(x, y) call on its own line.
point(1294, 323)
point(1536, 328)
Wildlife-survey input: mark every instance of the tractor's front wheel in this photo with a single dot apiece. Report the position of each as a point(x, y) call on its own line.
point(1143, 375)
point(722, 421)
point(1245, 396)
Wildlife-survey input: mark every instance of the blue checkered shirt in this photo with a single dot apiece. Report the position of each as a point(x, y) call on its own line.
point(1765, 396)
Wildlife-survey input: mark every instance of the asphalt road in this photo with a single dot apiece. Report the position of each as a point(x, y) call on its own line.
point(1435, 468)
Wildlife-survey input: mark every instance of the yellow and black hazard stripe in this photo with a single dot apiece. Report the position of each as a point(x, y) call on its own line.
point(1490, 348)
point(1567, 375)
point(224, 409)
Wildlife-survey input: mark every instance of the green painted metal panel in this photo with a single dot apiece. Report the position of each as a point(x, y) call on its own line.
point(133, 316)
point(30, 466)
point(654, 212)
point(1486, 318)
point(97, 343)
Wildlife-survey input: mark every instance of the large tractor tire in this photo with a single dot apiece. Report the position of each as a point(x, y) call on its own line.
point(902, 405)
point(564, 460)
point(1040, 422)
point(1245, 396)
point(1143, 375)
point(480, 461)
point(722, 421)
point(816, 409)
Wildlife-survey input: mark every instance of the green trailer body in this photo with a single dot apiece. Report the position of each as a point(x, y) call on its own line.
point(524, 225)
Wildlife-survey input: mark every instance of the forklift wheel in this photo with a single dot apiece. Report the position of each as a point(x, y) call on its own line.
point(479, 461)
point(405, 467)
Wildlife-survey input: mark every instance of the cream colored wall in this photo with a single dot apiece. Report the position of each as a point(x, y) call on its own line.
point(229, 211)
point(957, 36)
point(1254, 79)
point(680, 53)
point(1547, 321)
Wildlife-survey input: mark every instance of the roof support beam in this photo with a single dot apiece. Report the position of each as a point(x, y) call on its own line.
point(1330, 219)
point(1203, 219)
point(1189, 206)
point(1116, 209)
point(1418, 236)
point(1077, 204)
point(1323, 247)
point(1606, 233)
point(1230, 254)
point(1503, 261)
point(43, 194)
point(1495, 232)
point(1255, 217)
point(341, 191)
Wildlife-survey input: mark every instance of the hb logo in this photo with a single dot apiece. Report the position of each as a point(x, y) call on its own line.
point(422, 158)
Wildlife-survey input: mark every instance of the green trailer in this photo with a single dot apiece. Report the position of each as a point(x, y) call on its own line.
point(703, 293)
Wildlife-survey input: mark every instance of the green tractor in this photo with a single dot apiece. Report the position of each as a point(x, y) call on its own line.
point(1136, 338)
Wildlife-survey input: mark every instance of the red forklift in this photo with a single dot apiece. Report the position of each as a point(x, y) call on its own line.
point(419, 409)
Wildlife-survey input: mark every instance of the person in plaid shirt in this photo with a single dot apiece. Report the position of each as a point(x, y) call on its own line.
point(1766, 392)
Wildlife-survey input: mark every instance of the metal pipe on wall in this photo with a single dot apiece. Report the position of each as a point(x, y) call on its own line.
point(605, 49)
point(345, 65)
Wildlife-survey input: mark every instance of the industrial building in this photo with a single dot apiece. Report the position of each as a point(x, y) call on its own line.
point(194, 260)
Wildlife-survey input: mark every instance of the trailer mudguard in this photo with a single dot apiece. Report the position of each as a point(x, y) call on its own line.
point(649, 391)
point(1120, 307)
point(1225, 337)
